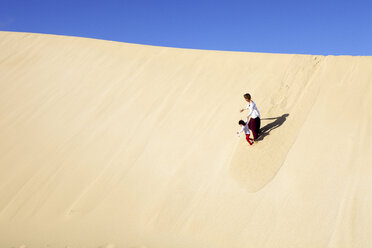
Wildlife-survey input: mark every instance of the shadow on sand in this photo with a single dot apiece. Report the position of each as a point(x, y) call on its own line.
point(278, 121)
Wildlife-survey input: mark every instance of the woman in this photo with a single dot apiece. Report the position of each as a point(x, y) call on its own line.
point(255, 121)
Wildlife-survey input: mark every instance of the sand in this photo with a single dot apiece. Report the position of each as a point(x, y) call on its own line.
point(108, 144)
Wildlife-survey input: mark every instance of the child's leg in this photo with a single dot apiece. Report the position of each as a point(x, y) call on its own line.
point(247, 138)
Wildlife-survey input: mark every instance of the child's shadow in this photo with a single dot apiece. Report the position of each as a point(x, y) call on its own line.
point(278, 121)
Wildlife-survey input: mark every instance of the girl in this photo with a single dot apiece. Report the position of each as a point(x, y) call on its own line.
point(245, 128)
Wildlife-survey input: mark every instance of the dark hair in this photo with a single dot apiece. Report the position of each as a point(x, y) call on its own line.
point(247, 96)
point(241, 122)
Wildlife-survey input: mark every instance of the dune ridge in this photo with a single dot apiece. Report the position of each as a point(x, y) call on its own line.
point(109, 144)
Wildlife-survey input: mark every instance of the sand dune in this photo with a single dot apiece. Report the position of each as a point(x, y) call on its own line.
point(107, 144)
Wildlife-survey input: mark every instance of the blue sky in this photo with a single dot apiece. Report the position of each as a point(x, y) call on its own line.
point(326, 27)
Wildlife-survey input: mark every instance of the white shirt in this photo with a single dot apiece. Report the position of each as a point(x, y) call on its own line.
point(253, 111)
point(245, 129)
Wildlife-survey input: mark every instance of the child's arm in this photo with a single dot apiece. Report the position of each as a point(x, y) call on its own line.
point(241, 130)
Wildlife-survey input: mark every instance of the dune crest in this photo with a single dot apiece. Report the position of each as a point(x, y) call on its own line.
point(108, 144)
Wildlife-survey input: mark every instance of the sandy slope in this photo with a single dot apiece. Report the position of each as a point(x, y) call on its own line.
point(106, 144)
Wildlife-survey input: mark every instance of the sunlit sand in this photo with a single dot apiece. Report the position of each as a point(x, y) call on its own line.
point(108, 144)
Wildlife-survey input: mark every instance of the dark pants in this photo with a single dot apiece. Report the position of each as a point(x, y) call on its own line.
point(258, 125)
point(254, 126)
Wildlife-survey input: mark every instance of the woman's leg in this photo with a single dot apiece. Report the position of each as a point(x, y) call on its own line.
point(253, 128)
point(258, 125)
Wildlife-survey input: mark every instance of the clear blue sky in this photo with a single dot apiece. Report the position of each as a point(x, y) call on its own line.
point(327, 27)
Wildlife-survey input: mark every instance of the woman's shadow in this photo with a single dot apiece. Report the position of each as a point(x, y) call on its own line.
point(278, 121)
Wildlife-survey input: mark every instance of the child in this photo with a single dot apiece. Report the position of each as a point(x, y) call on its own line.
point(245, 128)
